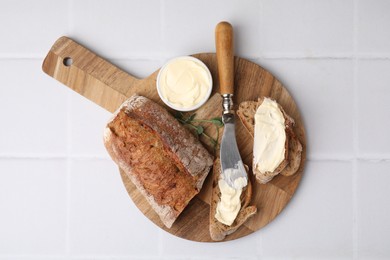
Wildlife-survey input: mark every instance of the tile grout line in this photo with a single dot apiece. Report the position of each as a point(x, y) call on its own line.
point(74, 257)
point(355, 134)
point(331, 56)
point(22, 56)
point(68, 172)
point(68, 146)
point(33, 156)
point(260, 248)
point(81, 157)
point(269, 56)
point(70, 17)
point(163, 51)
point(160, 243)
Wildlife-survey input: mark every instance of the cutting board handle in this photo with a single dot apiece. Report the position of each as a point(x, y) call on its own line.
point(88, 74)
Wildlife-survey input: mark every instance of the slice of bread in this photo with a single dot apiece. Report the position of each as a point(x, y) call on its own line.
point(294, 155)
point(218, 230)
point(293, 148)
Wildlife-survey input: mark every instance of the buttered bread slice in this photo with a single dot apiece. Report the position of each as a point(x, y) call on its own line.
point(218, 229)
point(276, 148)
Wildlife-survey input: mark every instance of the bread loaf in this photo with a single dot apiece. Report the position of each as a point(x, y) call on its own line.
point(166, 163)
point(218, 230)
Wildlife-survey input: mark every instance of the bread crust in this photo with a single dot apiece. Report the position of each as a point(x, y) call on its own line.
point(166, 163)
point(218, 230)
point(295, 154)
point(293, 148)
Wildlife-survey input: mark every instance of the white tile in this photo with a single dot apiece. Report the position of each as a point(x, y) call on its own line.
point(323, 91)
point(373, 210)
point(35, 257)
point(222, 257)
point(32, 206)
point(33, 110)
point(88, 122)
point(373, 108)
point(177, 247)
point(190, 25)
point(119, 28)
point(31, 27)
point(373, 26)
point(306, 27)
point(318, 220)
point(103, 219)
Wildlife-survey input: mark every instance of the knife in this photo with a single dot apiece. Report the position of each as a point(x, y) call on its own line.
point(233, 170)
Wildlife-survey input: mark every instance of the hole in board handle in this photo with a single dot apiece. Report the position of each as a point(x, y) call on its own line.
point(67, 61)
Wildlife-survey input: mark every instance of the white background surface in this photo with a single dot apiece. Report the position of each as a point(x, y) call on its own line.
point(62, 198)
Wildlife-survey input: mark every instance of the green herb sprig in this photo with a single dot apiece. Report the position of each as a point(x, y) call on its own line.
point(194, 124)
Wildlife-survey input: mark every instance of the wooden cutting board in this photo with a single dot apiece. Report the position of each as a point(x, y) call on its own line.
point(108, 86)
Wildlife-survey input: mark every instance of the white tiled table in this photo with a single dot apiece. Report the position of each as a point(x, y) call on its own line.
point(62, 198)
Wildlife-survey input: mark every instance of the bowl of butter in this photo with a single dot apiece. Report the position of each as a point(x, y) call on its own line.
point(184, 83)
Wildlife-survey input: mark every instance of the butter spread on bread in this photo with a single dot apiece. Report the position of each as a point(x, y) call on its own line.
point(292, 147)
point(166, 163)
point(230, 203)
point(269, 137)
point(219, 230)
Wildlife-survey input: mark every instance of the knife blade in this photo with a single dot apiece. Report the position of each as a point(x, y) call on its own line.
point(231, 163)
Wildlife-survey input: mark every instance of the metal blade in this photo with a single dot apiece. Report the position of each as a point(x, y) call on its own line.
point(229, 154)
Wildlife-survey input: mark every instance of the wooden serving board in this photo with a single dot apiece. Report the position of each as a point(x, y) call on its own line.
point(108, 86)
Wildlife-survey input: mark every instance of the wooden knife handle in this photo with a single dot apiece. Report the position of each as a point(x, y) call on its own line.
point(88, 74)
point(225, 56)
